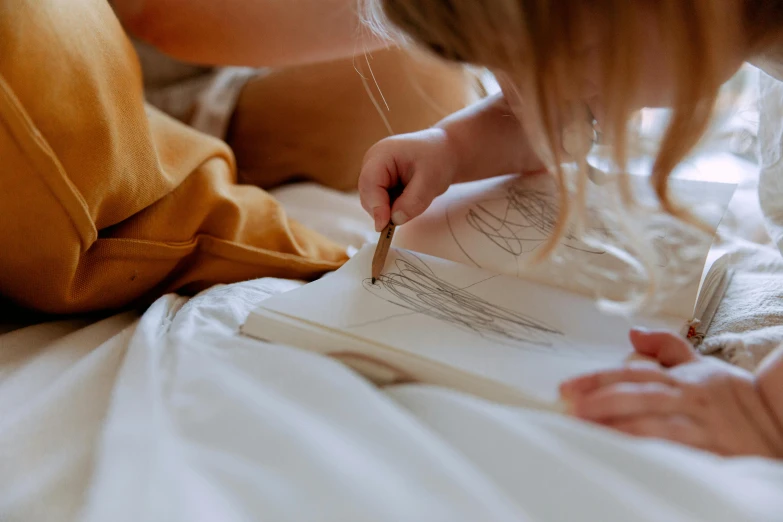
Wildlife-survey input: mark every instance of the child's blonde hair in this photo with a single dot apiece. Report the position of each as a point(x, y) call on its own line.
point(535, 44)
point(534, 48)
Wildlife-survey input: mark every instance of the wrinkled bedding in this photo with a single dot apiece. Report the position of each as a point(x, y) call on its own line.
point(171, 415)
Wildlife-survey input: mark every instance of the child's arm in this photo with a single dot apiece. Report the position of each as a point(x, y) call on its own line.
point(488, 140)
point(249, 32)
point(481, 141)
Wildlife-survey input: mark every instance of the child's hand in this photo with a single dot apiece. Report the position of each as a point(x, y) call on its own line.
point(422, 161)
point(688, 398)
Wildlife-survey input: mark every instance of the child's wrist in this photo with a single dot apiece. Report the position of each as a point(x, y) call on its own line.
point(453, 160)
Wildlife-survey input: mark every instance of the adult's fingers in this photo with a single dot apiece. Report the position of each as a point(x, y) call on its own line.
point(633, 372)
point(669, 349)
point(631, 399)
point(675, 428)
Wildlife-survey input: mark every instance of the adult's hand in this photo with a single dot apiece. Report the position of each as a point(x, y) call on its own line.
point(687, 398)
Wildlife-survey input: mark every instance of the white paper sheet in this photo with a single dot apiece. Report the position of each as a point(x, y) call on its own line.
point(501, 224)
point(516, 332)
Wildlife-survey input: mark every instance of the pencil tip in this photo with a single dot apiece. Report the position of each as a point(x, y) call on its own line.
point(373, 280)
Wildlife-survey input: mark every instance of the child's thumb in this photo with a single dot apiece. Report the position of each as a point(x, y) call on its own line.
point(667, 348)
point(417, 197)
point(407, 207)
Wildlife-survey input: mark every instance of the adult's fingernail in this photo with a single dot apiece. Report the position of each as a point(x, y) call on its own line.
point(399, 218)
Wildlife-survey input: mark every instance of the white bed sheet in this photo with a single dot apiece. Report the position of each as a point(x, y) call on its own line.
point(176, 417)
point(173, 416)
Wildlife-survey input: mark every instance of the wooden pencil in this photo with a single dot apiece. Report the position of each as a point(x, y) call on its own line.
point(385, 241)
point(382, 251)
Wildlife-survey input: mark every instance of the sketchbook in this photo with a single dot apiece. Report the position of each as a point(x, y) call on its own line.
point(460, 305)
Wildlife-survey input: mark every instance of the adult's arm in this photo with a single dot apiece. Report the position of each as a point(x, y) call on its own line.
point(254, 33)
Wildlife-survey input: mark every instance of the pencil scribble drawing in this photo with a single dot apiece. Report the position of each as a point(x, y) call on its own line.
point(415, 286)
point(521, 219)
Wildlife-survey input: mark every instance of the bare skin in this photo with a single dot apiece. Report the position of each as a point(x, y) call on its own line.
point(255, 33)
point(685, 397)
point(308, 115)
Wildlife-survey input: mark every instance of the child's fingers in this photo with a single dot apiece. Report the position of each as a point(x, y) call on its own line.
point(381, 216)
point(669, 349)
point(374, 184)
point(423, 188)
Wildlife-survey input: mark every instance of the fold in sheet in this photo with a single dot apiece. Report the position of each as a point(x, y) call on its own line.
point(175, 417)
